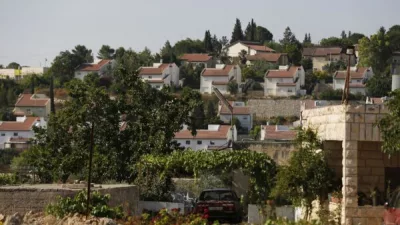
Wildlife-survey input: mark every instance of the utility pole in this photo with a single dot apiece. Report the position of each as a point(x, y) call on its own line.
point(346, 90)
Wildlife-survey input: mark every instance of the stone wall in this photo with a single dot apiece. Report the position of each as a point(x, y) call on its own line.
point(23, 199)
point(266, 108)
point(278, 151)
point(334, 150)
point(367, 215)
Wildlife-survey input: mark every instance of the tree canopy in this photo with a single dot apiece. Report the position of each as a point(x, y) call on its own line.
point(106, 52)
point(237, 33)
point(13, 65)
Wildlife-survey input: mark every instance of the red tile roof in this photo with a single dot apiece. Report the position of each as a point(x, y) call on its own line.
point(358, 74)
point(28, 101)
point(220, 82)
point(357, 85)
point(221, 133)
point(217, 72)
point(19, 126)
point(237, 110)
point(271, 133)
point(153, 70)
point(282, 73)
point(269, 57)
point(286, 84)
point(261, 48)
point(93, 67)
point(196, 57)
point(327, 51)
point(308, 51)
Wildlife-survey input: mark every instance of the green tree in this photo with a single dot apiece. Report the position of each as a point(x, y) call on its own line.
point(145, 58)
point(343, 34)
point(394, 37)
point(3, 98)
point(255, 132)
point(389, 125)
point(167, 53)
point(355, 37)
point(119, 52)
point(274, 45)
point(11, 97)
point(307, 176)
point(1, 66)
point(211, 113)
point(332, 67)
point(291, 46)
point(288, 37)
point(376, 52)
point(106, 52)
point(379, 85)
point(33, 83)
point(83, 54)
point(335, 42)
point(237, 33)
point(242, 56)
point(208, 42)
point(263, 34)
point(233, 87)
point(310, 81)
point(307, 64)
point(13, 65)
point(250, 32)
point(51, 91)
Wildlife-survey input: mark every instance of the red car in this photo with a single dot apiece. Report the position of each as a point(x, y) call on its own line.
point(391, 215)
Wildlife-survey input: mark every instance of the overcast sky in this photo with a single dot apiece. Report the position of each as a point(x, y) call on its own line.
point(32, 30)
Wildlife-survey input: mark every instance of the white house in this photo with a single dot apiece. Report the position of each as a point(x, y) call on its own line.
point(20, 73)
point(160, 74)
point(102, 67)
point(219, 77)
point(240, 111)
point(32, 105)
point(322, 56)
point(198, 59)
point(251, 48)
point(277, 133)
point(216, 137)
point(275, 58)
point(286, 81)
point(358, 76)
point(17, 134)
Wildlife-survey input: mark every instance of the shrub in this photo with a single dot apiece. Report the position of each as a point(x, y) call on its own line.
point(8, 179)
point(166, 218)
point(98, 206)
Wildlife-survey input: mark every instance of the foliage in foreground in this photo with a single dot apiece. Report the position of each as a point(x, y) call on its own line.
point(261, 168)
point(7, 179)
point(301, 222)
point(307, 176)
point(98, 206)
point(389, 125)
point(166, 218)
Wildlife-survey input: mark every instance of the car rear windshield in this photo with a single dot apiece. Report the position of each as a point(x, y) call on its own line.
point(218, 195)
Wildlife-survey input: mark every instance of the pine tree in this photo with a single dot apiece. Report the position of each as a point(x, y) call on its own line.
point(349, 35)
point(237, 34)
point(11, 98)
point(208, 45)
point(309, 38)
point(3, 98)
point(52, 106)
point(32, 84)
point(288, 37)
point(343, 35)
point(251, 31)
point(305, 39)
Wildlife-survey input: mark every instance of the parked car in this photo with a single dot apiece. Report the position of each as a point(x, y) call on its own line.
point(391, 216)
point(220, 204)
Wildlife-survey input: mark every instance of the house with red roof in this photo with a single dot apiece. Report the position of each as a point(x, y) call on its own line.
point(240, 111)
point(322, 56)
point(216, 137)
point(219, 77)
point(286, 81)
point(275, 58)
point(251, 48)
point(277, 133)
point(358, 78)
point(32, 105)
point(17, 134)
point(197, 59)
point(160, 74)
point(102, 67)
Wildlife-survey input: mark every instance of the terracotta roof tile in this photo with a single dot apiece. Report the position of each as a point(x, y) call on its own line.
point(28, 101)
point(358, 74)
point(261, 48)
point(282, 73)
point(93, 67)
point(196, 57)
point(327, 51)
point(153, 70)
point(271, 133)
point(221, 133)
point(217, 72)
point(357, 85)
point(19, 126)
point(237, 110)
point(269, 57)
point(308, 51)
point(286, 84)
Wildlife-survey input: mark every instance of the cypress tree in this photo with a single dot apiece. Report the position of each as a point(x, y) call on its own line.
point(52, 106)
point(237, 34)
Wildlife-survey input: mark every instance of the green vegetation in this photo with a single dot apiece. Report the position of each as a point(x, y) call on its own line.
point(389, 125)
point(98, 206)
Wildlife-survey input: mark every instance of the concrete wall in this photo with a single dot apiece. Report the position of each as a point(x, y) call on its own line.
point(23, 199)
point(267, 108)
point(334, 150)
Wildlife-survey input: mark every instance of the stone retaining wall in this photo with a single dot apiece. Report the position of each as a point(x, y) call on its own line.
point(367, 215)
point(23, 199)
point(266, 108)
point(278, 151)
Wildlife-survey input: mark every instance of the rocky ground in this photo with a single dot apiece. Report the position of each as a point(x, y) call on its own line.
point(41, 219)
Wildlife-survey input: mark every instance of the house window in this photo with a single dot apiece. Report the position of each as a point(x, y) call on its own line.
point(15, 134)
point(28, 110)
point(188, 142)
point(244, 118)
point(289, 90)
point(3, 134)
point(79, 73)
point(358, 81)
point(158, 86)
point(199, 142)
point(149, 77)
point(212, 143)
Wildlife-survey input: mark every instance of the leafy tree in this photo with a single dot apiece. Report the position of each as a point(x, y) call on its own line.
point(274, 45)
point(288, 37)
point(237, 123)
point(167, 53)
point(257, 70)
point(310, 81)
point(332, 67)
point(343, 34)
point(248, 72)
point(379, 85)
point(307, 64)
point(291, 46)
point(263, 34)
point(11, 97)
point(389, 125)
point(1, 66)
point(242, 57)
point(307, 40)
point(51, 91)
point(106, 52)
point(32, 83)
point(188, 46)
point(119, 52)
point(13, 65)
point(394, 37)
point(209, 42)
point(83, 54)
point(355, 37)
point(255, 132)
point(233, 87)
point(212, 113)
point(237, 34)
point(3, 97)
point(251, 30)
point(145, 58)
point(375, 52)
point(334, 42)
point(307, 176)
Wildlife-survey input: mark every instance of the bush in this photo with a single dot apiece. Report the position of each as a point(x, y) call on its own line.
point(6, 156)
point(166, 218)
point(98, 206)
point(8, 179)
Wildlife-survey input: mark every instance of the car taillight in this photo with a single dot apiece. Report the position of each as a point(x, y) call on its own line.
point(202, 208)
point(229, 207)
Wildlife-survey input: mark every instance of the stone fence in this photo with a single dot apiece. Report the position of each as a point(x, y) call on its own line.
point(23, 199)
point(266, 108)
